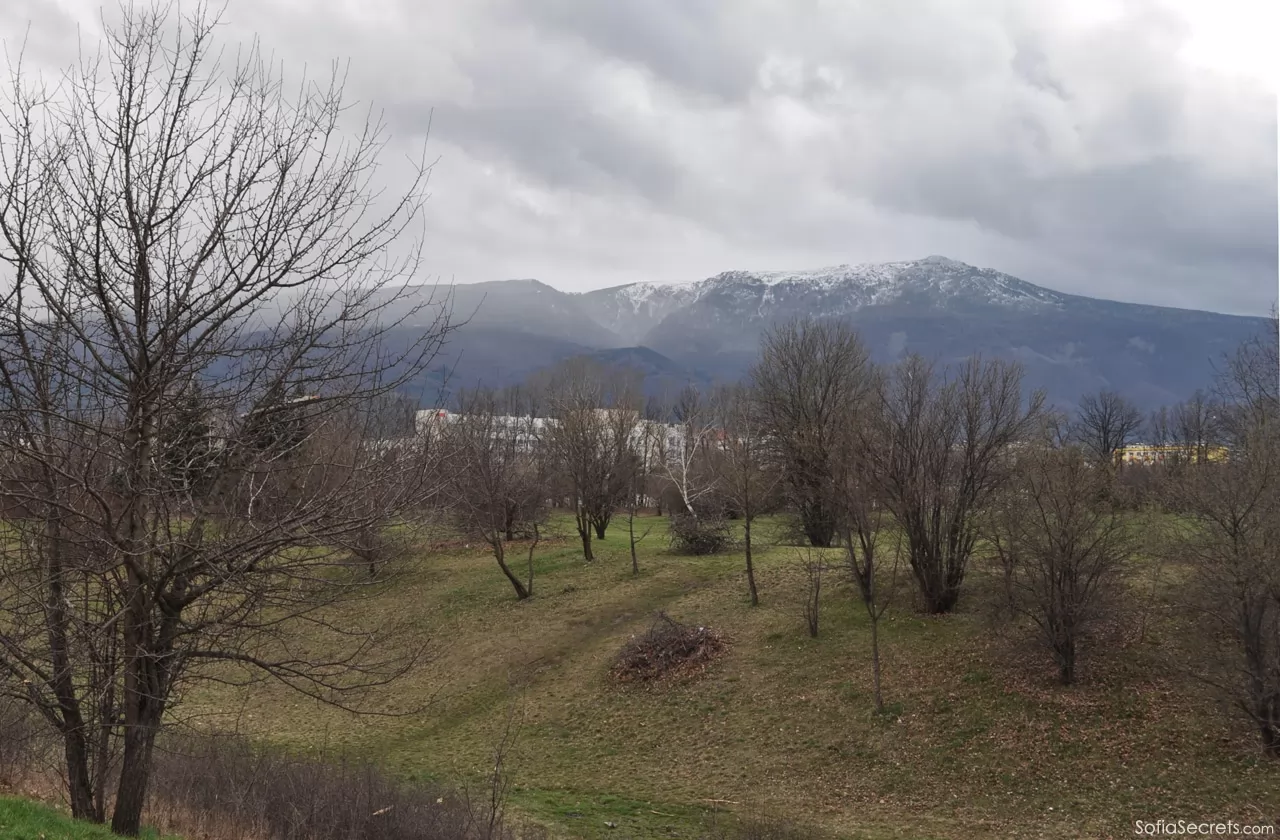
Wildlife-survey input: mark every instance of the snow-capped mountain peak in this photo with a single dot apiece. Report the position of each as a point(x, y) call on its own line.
point(934, 281)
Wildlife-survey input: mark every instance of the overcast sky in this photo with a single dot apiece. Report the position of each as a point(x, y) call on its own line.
point(1117, 149)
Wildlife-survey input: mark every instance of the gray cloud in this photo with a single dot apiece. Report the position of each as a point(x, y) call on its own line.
point(590, 143)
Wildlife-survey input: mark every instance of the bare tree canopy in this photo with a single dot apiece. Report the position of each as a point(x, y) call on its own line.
point(1229, 532)
point(497, 474)
point(741, 462)
point(946, 450)
point(1063, 549)
point(809, 377)
point(1196, 426)
point(594, 414)
point(1248, 382)
point(1105, 423)
point(872, 559)
point(683, 458)
point(195, 318)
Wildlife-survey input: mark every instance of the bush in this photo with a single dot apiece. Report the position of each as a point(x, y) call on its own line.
point(668, 648)
point(226, 786)
point(375, 548)
point(699, 536)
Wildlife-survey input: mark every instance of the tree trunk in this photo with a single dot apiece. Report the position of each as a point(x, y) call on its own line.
point(500, 554)
point(631, 537)
point(939, 596)
point(943, 602)
point(1270, 738)
point(537, 537)
point(106, 710)
point(751, 572)
point(145, 693)
point(583, 521)
point(75, 745)
point(600, 529)
point(875, 661)
point(819, 529)
point(81, 790)
point(135, 776)
point(1067, 662)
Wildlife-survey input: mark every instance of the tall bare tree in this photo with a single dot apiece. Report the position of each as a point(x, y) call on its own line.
point(1063, 549)
point(1105, 423)
point(1196, 426)
point(684, 455)
point(808, 374)
point(1159, 428)
point(647, 447)
point(191, 246)
point(1229, 532)
point(593, 414)
point(497, 474)
point(945, 450)
point(745, 480)
point(1248, 383)
point(872, 563)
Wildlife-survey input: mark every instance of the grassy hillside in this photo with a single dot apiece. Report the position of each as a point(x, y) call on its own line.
point(22, 819)
point(978, 741)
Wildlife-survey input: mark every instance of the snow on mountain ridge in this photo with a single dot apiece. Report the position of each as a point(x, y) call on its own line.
point(736, 297)
point(867, 284)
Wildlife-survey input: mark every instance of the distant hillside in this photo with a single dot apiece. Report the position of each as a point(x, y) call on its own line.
point(710, 329)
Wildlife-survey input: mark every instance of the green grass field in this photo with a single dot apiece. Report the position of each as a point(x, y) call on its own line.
point(978, 740)
point(22, 819)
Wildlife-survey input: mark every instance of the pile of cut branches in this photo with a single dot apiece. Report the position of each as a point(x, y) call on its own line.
point(667, 649)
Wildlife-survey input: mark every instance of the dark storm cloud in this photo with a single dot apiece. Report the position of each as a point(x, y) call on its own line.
point(593, 143)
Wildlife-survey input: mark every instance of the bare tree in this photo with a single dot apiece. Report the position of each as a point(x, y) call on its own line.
point(1063, 549)
point(1229, 532)
point(811, 607)
point(860, 517)
point(808, 375)
point(683, 457)
point(1160, 426)
point(945, 449)
point(648, 448)
point(189, 244)
point(1195, 427)
point(590, 436)
point(1105, 423)
point(745, 479)
point(498, 486)
point(1248, 383)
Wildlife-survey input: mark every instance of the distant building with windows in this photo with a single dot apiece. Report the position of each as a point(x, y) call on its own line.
point(1147, 454)
point(647, 437)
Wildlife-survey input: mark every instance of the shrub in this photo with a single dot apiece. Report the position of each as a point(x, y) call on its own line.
point(699, 536)
point(226, 786)
point(668, 648)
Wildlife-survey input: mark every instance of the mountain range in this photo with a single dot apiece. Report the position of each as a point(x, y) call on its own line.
point(709, 330)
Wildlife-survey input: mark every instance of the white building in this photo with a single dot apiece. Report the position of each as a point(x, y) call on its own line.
point(647, 436)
